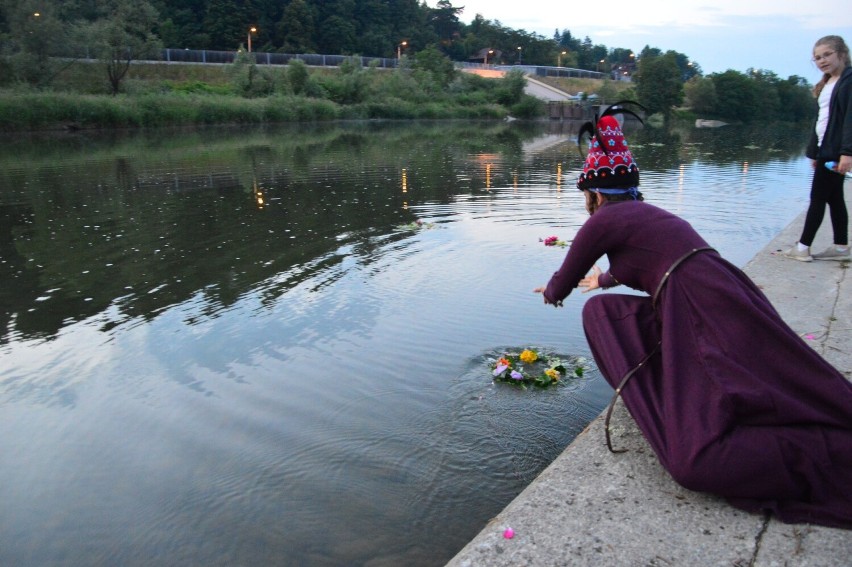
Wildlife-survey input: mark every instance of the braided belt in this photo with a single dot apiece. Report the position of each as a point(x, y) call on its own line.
point(654, 350)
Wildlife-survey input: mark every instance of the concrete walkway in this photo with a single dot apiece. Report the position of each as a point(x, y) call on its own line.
point(592, 507)
point(545, 91)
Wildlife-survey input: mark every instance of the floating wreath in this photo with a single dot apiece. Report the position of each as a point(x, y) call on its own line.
point(553, 241)
point(530, 368)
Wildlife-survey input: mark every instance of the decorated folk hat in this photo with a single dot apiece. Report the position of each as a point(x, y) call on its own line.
point(609, 165)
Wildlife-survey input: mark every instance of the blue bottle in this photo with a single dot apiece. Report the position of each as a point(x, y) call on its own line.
point(832, 164)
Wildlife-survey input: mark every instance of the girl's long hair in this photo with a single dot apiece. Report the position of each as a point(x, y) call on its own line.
point(839, 46)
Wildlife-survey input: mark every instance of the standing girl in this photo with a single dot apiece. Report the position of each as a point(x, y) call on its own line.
point(831, 141)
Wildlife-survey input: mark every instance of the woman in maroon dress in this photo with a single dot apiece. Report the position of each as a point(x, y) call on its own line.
point(731, 399)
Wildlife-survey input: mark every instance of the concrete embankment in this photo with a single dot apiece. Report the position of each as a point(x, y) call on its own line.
point(592, 507)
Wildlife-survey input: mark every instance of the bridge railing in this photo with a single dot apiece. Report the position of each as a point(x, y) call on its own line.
point(266, 58)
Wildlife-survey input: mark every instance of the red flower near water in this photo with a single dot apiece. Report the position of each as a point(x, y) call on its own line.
point(554, 241)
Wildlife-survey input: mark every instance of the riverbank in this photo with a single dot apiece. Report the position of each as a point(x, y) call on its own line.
point(21, 112)
point(155, 95)
point(591, 507)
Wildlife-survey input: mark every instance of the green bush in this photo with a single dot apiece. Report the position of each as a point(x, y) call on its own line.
point(528, 107)
point(297, 76)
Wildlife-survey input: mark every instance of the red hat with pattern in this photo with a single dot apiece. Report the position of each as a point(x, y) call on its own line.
point(609, 165)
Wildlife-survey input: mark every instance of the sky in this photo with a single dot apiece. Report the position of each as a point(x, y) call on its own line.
point(773, 35)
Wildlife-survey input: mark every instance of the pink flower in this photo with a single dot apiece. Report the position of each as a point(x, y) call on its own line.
point(508, 533)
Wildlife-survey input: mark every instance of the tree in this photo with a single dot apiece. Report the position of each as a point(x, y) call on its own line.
point(226, 24)
point(298, 76)
point(660, 87)
point(700, 95)
point(34, 35)
point(431, 67)
point(445, 20)
point(125, 33)
point(297, 28)
point(736, 96)
point(182, 25)
point(606, 92)
point(797, 101)
point(766, 94)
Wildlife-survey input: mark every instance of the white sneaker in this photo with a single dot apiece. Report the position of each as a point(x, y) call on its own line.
point(832, 253)
point(800, 255)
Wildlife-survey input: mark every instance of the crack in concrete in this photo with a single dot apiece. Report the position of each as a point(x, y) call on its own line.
point(844, 269)
point(758, 539)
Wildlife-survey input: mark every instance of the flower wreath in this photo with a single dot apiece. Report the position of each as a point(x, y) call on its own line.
point(530, 368)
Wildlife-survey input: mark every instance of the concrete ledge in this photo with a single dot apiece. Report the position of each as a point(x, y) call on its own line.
point(592, 507)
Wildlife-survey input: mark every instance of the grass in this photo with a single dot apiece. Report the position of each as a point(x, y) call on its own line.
point(161, 94)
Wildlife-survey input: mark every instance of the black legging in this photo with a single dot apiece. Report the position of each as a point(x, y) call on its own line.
point(826, 189)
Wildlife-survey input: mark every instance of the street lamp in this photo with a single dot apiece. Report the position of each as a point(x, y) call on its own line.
point(559, 58)
point(487, 53)
point(251, 31)
point(399, 50)
point(520, 56)
point(600, 64)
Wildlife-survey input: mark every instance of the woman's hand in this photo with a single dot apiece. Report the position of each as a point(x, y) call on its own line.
point(844, 166)
point(546, 302)
point(590, 282)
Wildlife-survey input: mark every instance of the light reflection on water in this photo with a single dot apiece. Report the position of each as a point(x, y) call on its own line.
point(227, 347)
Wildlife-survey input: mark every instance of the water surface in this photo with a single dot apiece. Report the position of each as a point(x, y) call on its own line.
point(235, 346)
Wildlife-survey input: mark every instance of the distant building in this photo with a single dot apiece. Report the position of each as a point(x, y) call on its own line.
point(483, 56)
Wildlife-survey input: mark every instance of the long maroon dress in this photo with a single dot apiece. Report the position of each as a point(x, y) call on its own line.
point(735, 404)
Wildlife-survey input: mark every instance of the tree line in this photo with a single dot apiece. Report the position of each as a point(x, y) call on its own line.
point(37, 38)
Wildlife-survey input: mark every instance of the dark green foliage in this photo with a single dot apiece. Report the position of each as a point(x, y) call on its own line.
point(701, 95)
point(297, 75)
point(736, 96)
point(431, 67)
point(118, 31)
point(511, 88)
point(198, 87)
point(528, 107)
point(660, 83)
point(247, 79)
point(351, 85)
point(796, 100)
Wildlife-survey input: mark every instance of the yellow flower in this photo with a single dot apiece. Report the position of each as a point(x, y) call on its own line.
point(528, 356)
point(554, 374)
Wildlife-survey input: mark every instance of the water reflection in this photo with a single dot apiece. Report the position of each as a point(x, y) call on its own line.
point(235, 346)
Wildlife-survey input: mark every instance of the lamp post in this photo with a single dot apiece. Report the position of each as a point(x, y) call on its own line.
point(520, 55)
point(559, 58)
point(487, 53)
point(600, 64)
point(399, 50)
point(251, 31)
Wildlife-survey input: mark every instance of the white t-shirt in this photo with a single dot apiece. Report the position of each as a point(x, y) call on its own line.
point(822, 117)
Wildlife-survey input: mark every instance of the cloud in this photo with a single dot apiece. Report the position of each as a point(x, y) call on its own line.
point(774, 35)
